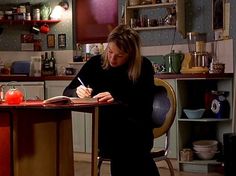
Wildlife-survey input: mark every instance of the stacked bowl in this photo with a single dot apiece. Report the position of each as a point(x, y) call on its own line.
point(205, 149)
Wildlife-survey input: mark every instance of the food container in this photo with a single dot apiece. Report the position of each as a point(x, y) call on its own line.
point(218, 68)
point(186, 154)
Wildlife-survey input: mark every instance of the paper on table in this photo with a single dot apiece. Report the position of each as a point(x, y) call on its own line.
point(69, 100)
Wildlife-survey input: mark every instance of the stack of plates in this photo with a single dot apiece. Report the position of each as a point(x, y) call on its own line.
point(205, 149)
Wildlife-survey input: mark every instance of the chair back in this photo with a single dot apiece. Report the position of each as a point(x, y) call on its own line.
point(164, 107)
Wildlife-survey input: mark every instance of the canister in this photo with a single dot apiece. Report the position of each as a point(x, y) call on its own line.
point(36, 14)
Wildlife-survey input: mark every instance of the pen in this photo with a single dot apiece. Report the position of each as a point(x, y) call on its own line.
point(81, 82)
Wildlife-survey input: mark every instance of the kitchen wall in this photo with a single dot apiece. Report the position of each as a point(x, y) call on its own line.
point(10, 38)
point(198, 18)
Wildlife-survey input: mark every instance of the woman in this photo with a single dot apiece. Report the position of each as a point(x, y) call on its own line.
point(122, 75)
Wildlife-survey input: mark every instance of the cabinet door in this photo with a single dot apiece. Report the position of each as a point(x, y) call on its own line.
point(31, 90)
point(95, 19)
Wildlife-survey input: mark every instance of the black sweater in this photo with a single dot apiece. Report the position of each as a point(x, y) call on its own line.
point(136, 98)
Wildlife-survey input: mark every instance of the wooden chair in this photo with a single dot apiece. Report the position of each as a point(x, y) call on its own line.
point(164, 110)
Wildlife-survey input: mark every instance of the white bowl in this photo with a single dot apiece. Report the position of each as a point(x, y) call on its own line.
point(194, 113)
point(205, 143)
point(206, 155)
point(206, 149)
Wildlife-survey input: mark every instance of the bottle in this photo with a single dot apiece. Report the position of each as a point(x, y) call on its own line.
point(46, 63)
point(52, 63)
point(43, 63)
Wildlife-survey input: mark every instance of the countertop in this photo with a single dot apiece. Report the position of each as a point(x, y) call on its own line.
point(70, 77)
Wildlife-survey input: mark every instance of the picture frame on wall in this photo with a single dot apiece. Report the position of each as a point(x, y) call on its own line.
point(51, 41)
point(61, 40)
point(218, 14)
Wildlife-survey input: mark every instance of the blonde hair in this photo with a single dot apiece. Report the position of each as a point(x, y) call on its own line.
point(128, 41)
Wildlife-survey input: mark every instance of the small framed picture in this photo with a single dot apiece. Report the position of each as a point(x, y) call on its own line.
point(51, 41)
point(61, 40)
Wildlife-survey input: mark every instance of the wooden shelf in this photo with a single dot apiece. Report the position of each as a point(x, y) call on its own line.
point(131, 12)
point(31, 22)
point(154, 28)
point(161, 5)
point(201, 162)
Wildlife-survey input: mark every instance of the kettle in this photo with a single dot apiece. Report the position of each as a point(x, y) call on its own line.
point(173, 61)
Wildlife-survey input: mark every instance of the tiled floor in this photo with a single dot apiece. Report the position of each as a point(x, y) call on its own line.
point(82, 168)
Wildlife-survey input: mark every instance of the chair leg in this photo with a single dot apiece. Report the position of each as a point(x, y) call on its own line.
point(172, 173)
point(99, 165)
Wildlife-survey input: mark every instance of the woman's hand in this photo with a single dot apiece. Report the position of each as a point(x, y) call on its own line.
point(83, 91)
point(104, 97)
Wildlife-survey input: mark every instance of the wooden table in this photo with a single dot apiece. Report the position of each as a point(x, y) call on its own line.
point(36, 139)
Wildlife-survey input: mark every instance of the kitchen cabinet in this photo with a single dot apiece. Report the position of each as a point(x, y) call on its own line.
point(192, 94)
point(81, 122)
point(31, 90)
point(95, 20)
point(154, 12)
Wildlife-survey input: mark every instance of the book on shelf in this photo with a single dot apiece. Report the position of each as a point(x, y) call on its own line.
point(69, 100)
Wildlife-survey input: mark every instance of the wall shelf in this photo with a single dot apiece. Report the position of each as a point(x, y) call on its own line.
point(152, 5)
point(203, 120)
point(154, 28)
point(132, 11)
point(29, 22)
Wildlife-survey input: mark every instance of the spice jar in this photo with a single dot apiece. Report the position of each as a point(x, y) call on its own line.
point(186, 154)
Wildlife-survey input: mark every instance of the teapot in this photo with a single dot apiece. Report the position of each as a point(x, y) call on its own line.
point(173, 61)
point(12, 96)
point(45, 11)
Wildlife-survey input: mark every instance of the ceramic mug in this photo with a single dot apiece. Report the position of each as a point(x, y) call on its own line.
point(44, 29)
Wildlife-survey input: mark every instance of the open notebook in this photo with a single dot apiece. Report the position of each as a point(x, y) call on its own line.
point(69, 100)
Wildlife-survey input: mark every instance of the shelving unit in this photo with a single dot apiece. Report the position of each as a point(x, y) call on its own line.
point(29, 22)
point(130, 12)
point(191, 94)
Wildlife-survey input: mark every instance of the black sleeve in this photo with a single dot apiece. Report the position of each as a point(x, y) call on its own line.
point(85, 74)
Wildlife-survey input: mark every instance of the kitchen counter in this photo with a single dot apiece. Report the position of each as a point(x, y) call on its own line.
point(192, 76)
point(70, 77)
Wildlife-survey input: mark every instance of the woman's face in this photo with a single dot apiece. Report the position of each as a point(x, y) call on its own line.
point(116, 57)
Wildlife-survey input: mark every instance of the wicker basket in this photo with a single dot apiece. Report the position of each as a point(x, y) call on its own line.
point(218, 68)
